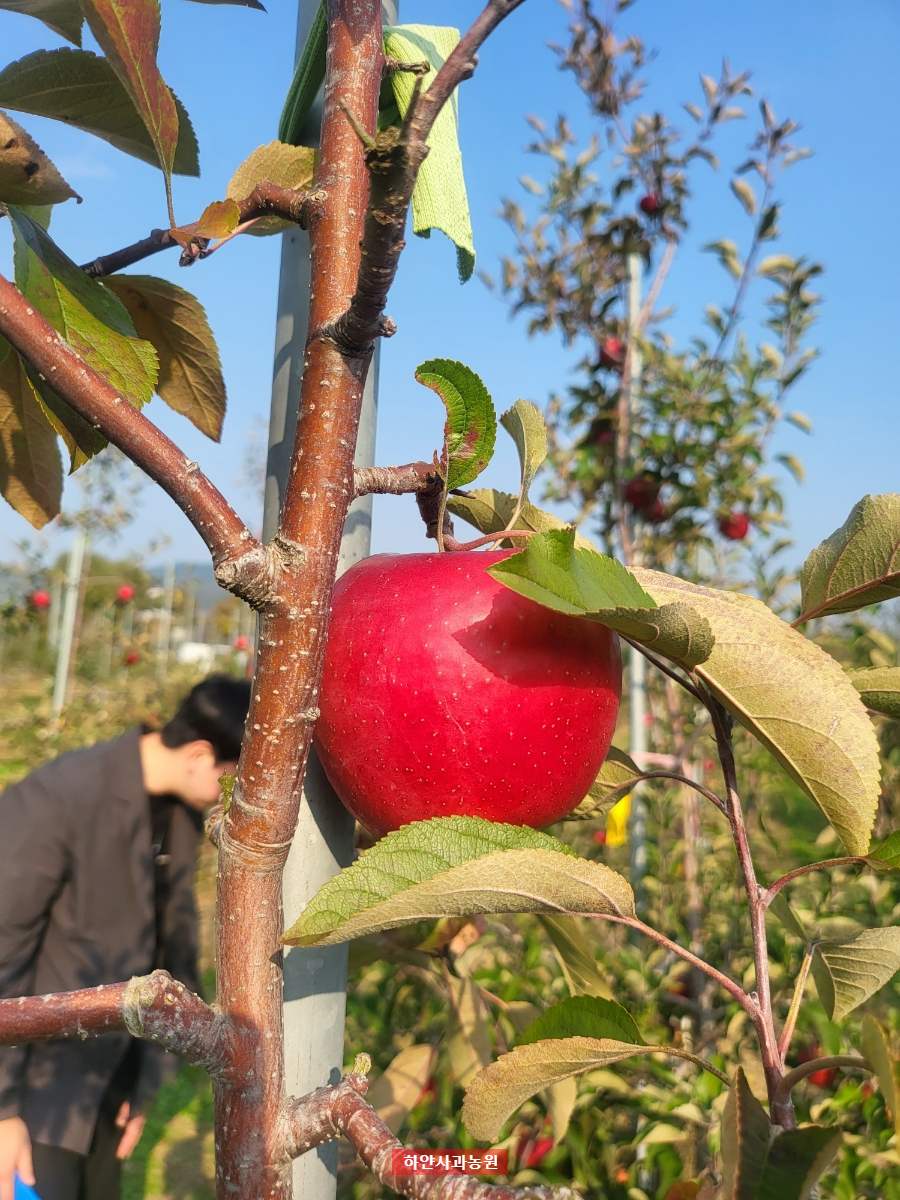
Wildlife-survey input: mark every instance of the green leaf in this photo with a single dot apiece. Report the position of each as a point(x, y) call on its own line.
point(309, 75)
point(879, 689)
point(27, 176)
point(395, 1093)
point(797, 1159)
point(793, 697)
point(62, 16)
point(524, 423)
point(792, 464)
point(496, 1092)
point(888, 853)
point(560, 1101)
point(554, 572)
point(92, 321)
point(849, 971)
point(583, 1016)
point(80, 437)
point(287, 166)
point(174, 323)
point(128, 34)
point(789, 919)
point(745, 1141)
point(858, 565)
point(617, 775)
point(491, 511)
point(218, 220)
point(575, 957)
point(471, 427)
point(876, 1047)
point(30, 466)
point(457, 866)
point(81, 89)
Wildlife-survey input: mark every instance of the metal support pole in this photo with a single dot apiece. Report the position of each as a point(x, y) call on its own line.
point(315, 981)
point(164, 631)
point(637, 665)
point(67, 631)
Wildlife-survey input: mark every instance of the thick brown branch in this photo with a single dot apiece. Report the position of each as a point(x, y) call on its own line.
point(394, 157)
point(393, 481)
point(156, 1008)
point(266, 199)
point(241, 563)
point(341, 1109)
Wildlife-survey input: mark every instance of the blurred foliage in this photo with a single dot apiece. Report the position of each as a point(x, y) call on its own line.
point(698, 435)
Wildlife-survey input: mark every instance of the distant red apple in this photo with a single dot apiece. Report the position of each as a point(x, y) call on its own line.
point(649, 204)
point(132, 657)
point(735, 526)
point(612, 353)
point(600, 837)
point(642, 493)
point(125, 593)
point(445, 693)
point(40, 599)
point(539, 1151)
point(655, 513)
point(241, 643)
point(824, 1079)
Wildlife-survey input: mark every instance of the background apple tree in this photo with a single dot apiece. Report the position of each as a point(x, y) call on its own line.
point(703, 1106)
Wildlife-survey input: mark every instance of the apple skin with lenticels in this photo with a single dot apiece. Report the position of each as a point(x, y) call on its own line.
point(445, 693)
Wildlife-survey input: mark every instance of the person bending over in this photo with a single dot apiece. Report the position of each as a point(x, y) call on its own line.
point(97, 859)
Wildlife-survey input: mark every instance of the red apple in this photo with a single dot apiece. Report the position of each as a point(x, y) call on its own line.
point(824, 1079)
point(642, 493)
point(40, 599)
point(241, 643)
point(131, 658)
point(536, 1155)
point(125, 593)
point(600, 837)
point(445, 693)
point(612, 353)
point(735, 526)
point(649, 204)
point(655, 513)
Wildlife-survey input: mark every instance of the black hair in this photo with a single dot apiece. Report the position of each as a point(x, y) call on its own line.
point(214, 711)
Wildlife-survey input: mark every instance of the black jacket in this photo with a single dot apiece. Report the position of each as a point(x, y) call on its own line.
point(77, 910)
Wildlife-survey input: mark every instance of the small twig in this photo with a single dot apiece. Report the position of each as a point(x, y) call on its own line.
point(789, 1081)
point(790, 1024)
point(451, 544)
point(747, 1002)
point(266, 199)
point(653, 295)
point(393, 65)
point(768, 894)
point(666, 669)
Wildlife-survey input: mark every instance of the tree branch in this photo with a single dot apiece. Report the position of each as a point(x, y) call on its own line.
point(393, 481)
point(768, 894)
point(326, 1114)
point(393, 157)
point(155, 1008)
point(787, 1084)
point(242, 564)
point(266, 199)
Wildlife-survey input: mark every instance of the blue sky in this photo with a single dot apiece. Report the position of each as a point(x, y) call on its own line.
point(828, 65)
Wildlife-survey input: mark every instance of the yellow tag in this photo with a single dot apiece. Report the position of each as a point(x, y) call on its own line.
point(617, 822)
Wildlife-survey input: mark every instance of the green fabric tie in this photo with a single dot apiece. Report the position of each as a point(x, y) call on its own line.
point(439, 199)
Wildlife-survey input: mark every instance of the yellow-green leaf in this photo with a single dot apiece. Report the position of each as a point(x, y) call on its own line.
point(30, 466)
point(615, 777)
point(287, 166)
point(504, 882)
point(468, 1041)
point(849, 971)
point(575, 957)
point(792, 696)
point(524, 423)
point(395, 1093)
point(876, 1047)
point(174, 323)
point(858, 565)
point(496, 1092)
point(27, 176)
point(879, 689)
